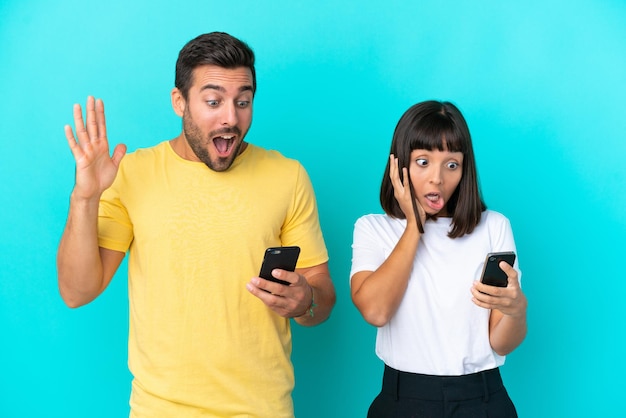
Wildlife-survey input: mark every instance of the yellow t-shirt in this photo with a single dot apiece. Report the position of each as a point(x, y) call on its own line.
point(200, 345)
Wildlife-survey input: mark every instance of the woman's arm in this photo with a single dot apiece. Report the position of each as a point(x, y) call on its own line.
point(377, 294)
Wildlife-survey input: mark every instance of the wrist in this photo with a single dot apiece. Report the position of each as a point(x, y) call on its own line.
point(79, 199)
point(309, 310)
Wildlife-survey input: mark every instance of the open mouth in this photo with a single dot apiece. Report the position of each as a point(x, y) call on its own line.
point(434, 201)
point(224, 143)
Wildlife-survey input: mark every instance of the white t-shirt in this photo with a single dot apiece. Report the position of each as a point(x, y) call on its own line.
point(437, 329)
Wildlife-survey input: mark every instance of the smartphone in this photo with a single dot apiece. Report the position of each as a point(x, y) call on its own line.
point(492, 274)
point(284, 258)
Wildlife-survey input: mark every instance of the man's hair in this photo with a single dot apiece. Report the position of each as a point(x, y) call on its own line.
point(436, 125)
point(215, 48)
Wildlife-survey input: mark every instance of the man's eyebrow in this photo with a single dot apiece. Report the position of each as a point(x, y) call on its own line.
point(213, 87)
point(222, 89)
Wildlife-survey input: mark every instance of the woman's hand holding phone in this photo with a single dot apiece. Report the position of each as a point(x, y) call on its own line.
point(499, 286)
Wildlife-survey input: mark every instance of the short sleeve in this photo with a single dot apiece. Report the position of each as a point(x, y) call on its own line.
point(367, 252)
point(115, 230)
point(302, 225)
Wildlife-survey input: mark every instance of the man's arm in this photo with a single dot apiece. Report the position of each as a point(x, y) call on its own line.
point(84, 269)
point(322, 295)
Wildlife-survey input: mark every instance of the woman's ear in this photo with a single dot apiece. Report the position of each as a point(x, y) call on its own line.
point(178, 102)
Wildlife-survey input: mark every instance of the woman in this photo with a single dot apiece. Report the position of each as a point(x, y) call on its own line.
point(442, 334)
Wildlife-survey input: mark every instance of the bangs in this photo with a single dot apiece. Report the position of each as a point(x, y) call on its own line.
point(437, 131)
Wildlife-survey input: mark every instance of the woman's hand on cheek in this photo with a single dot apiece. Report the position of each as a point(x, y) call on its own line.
point(402, 191)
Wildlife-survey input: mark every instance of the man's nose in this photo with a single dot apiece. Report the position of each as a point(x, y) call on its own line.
point(229, 115)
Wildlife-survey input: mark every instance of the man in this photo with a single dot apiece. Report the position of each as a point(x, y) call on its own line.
point(207, 337)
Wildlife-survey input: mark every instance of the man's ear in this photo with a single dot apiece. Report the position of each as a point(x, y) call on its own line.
point(178, 102)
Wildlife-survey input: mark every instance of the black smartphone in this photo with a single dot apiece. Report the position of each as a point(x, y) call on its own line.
point(284, 258)
point(492, 274)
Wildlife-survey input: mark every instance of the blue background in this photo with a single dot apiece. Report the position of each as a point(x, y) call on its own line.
point(541, 83)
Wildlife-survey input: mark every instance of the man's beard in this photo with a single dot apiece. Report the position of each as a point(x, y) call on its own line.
point(200, 145)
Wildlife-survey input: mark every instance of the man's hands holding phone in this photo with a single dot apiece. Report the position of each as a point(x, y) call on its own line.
point(288, 301)
point(282, 289)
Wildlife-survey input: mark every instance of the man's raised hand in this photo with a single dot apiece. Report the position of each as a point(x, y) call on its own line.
point(95, 168)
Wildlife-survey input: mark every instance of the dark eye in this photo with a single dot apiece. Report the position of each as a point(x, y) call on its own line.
point(452, 165)
point(243, 103)
point(421, 162)
point(212, 103)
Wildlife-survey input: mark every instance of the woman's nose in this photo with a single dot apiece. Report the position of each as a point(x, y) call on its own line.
point(435, 175)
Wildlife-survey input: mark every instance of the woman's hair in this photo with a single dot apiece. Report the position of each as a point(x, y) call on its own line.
point(437, 125)
point(215, 48)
